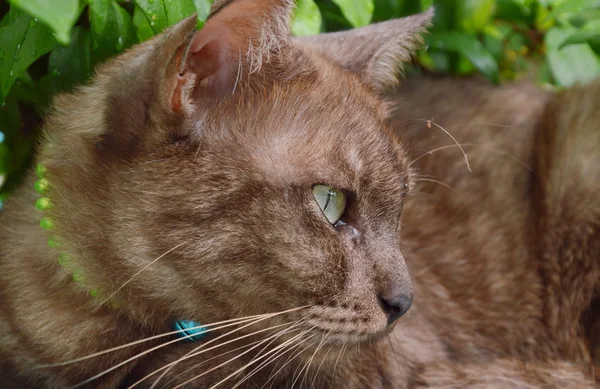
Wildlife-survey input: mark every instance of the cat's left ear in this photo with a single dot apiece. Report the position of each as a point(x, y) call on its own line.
point(375, 52)
point(239, 39)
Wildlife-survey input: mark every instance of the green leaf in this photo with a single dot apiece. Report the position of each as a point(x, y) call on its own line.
point(22, 41)
point(571, 64)
point(443, 19)
point(581, 36)
point(111, 27)
point(574, 6)
point(154, 12)
point(474, 15)
point(143, 29)
point(151, 17)
point(71, 65)
point(307, 18)
point(426, 4)
point(179, 10)
point(58, 15)
point(357, 12)
point(470, 47)
point(582, 18)
point(333, 20)
point(513, 10)
point(202, 11)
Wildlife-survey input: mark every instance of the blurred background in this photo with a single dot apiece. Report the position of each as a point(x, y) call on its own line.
point(47, 47)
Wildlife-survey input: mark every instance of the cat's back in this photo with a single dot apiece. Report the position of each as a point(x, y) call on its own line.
point(468, 224)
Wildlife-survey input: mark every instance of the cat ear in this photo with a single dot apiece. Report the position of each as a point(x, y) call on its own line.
point(238, 38)
point(151, 90)
point(375, 52)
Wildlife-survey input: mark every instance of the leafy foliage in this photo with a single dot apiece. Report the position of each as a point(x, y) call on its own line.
point(52, 46)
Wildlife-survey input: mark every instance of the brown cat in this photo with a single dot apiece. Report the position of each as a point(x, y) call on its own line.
point(256, 184)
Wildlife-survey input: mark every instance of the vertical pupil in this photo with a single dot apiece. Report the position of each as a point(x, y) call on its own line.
point(330, 194)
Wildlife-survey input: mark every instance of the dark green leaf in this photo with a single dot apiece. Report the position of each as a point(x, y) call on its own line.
point(154, 12)
point(71, 65)
point(513, 10)
point(307, 18)
point(143, 29)
point(470, 47)
point(60, 15)
point(443, 19)
point(386, 9)
point(22, 41)
point(357, 12)
point(333, 20)
point(112, 29)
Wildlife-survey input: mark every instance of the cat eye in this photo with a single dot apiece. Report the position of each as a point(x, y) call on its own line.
point(331, 201)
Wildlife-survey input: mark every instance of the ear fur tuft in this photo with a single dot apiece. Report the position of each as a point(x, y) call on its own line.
point(375, 52)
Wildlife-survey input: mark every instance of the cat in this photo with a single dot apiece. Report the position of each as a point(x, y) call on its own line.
point(282, 192)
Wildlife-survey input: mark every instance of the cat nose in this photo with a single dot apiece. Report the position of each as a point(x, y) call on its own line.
point(395, 306)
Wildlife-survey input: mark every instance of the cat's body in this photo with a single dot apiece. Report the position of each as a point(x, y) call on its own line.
point(504, 263)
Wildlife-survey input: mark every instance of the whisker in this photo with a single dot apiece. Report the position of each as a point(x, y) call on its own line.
point(277, 355)
point(225, 363)
point(429, 122)
point(208, 360)
point(416, 192)
point(491, 150)
point(138, 273)
point(338, 358)
point(307, 366)
point(205, 344)
point(312, 385)
point(233, 321)
point(290, 359)
point(142, 354)
point(393, 350)
point(437, 182)
point(195, 351)
point(261, 318)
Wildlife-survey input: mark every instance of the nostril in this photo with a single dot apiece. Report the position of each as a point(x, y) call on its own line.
point(395, 307)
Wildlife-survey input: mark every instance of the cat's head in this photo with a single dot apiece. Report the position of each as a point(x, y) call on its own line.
point(235, 171)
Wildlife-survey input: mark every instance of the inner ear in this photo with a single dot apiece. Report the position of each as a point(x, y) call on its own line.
point(199, 63)
point(239, 34)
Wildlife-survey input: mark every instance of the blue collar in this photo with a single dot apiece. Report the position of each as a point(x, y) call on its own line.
point(190, 330)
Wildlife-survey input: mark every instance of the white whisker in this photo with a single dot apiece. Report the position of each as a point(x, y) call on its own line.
point(138, 273)
point(226, 362)
point(273, 358)
point(189, 354)
point(283, 345)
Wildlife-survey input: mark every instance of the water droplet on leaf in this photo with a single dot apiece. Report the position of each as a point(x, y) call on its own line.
point(119, 45)
point(33, 23)
point(16, 57)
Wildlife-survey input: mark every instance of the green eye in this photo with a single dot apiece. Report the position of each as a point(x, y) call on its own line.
point(331, 201)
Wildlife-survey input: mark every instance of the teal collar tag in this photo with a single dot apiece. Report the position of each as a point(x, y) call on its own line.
point(190, 330)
